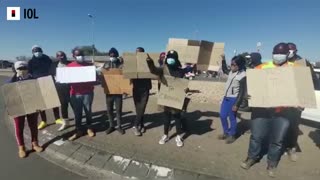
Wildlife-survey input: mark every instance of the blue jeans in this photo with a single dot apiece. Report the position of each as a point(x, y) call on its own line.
point(225, 112)
point(80, 103)
point(262, 128)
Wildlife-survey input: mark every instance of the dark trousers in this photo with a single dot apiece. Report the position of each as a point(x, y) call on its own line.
point(276, 129)
point(140, 98)
point(63, 91)
point(172, 114)
point(116, 99)
point(294, 116)
point(81, 103)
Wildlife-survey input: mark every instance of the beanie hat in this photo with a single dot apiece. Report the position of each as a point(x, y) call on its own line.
point(20, 64)
point(114, 51)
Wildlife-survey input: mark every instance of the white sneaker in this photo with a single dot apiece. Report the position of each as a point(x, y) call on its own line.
point(179, 141)
point(164, 139)
point(64, 125)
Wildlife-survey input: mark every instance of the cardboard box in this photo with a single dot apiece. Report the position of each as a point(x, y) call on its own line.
point(26, 97)
point(115, 83)
point(130, 65)
point(283, 86)
point(173, 94)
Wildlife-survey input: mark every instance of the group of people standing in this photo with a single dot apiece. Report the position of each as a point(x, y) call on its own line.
point(276, 128)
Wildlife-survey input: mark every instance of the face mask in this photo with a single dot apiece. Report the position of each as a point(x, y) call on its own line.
point(113, 59)
point(22, 73)
point(37, 54)
point(291, 54)
point(279, 58)
point(171, 61)
point(80, 58)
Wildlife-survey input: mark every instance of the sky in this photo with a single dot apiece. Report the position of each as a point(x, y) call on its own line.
point(127, 24)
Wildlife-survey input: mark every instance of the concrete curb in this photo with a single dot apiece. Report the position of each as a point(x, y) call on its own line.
point(94, 164)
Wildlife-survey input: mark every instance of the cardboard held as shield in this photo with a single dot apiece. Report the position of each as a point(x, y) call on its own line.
point(283, 86)
point(25, 97)
point(115, 83)
point(173, 94)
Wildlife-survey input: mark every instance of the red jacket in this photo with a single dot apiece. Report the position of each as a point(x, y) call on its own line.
point(80, 88)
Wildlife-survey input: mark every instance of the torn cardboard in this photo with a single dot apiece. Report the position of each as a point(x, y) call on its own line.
point(173, 94)
point(26, 97)
point(115, 83)
point(284, 86)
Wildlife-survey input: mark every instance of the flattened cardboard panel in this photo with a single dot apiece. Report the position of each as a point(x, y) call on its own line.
point(31, 96)
point(176, 41)
point(49, 92)
point(216, 56)
point(187, 54)
point(305, 87)
point(115, 83)
point(130, 65)
point(193, 43)
point(173, 95)
point(12, 99)
point(301, 62)
point(143, 68)
point(279, 87)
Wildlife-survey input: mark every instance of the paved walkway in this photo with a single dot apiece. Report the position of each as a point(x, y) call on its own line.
point(202, 157)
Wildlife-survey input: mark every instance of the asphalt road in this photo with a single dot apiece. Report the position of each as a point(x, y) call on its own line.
point(33, 167)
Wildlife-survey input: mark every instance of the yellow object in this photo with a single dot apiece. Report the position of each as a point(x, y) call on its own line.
point(42, 125)
point(59, 121)
point(22, 152)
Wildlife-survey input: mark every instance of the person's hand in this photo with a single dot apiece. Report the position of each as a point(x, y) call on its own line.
point(300, 108)
point(148, 58)
point(186, 90)
point(247, 97)
point(235, 108)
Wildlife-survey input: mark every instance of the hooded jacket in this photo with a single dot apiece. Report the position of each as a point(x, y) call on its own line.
point(40, 67)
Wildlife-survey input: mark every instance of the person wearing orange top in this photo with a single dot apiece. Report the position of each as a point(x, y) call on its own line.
point(269, 122)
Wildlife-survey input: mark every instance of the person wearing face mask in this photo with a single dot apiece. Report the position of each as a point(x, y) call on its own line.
point(63, 90)
point(40, 66)
point(269, 122)
point(22, 74)
point(114, 99)
point(175, 70)
point(234, 93)
point(140, 93)
point(81, 97)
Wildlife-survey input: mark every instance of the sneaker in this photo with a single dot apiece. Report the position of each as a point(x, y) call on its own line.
point(143, 129)
point(59, 121)
point(136, 131)
point(164, 139)
point(74, 137)
point(22, 152)
point(37, 148)
point(63, 125)
point(121, 131)
point(222, 136)
point(271, 171)
point(42, 125)
point(110, 130)
point(230, 139)
point(247, 163)
point(179, 141)
point(90, 133)
point(292, 154)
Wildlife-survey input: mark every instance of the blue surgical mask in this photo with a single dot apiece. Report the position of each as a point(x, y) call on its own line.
point(171, 61)
point(37, 54)
point(279, 59)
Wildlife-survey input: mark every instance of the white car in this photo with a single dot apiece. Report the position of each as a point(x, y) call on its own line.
point(313, 114)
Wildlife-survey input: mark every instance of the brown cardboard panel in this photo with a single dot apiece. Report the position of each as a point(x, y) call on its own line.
point(130, 65)
point(13, 100)
point(49, 92)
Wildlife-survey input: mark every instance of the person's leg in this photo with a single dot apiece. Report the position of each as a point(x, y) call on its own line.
point(177, 118)
point(56, 113)
point(278, 133)
point(77, 106)
point(19, 126)
point(118, 102)
point(110, 102)
point(167, 120)
point(224, 111)
point(291, 141)
point(141, 100)
point(233, 121)
point(136, 99)
point(65, 100)
point(87, 104)
point(43, 122)
point(259, 132)
point(32, 122)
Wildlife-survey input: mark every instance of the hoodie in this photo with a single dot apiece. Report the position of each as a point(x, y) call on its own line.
point(40, 67)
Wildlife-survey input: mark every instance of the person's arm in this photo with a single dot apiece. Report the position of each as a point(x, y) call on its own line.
point(242, 92)
point(315, 79)
point(30, 68)
point(153, 68)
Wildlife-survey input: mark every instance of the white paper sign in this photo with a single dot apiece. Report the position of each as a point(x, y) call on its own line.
point(76, 74)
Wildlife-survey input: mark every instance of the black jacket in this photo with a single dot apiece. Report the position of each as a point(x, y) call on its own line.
point(40, 67)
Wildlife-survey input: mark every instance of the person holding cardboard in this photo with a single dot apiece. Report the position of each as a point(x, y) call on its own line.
point(22, 74)
point(269, 122)
point(140, 93)
point(63, 91)
point(40, 66)
point(81, 97)
point(234, 93)
point(173, 65)
point(114, 99)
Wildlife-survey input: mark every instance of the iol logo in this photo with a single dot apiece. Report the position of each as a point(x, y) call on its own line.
point(13, 14)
